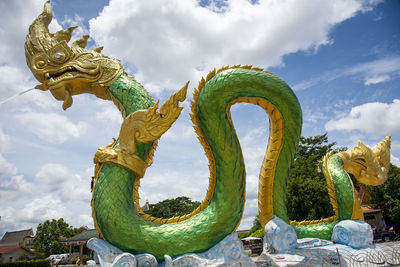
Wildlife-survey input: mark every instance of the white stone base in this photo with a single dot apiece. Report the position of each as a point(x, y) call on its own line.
point(381, 254)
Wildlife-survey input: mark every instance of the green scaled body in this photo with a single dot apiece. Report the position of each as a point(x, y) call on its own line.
point(113, 208)
point(121, 225)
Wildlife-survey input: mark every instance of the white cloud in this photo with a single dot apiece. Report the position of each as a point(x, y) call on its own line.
point(377, 79)
point(376, 71)
point(250, 212)
point(55, 192)
point(395, 160)
point(45, 208)
point(374, 118)
point(164, 183)
point(184, 39)
point(6, 168)
point(12, 185)
point(312, 116)
point(52, 127)
point(14, 74)
point(180, 131)
point(376, 67)
point(13, 31)
point(254, 145)
point(108, 113)
point(76, 20)
point(52, 174)
point(26, 200)
point(4, 140)
point(69, 186)
point(109, 117)
point(395, 145)
point(372, 72)
point(14, 80)
point(342, 103)
point(14, 84)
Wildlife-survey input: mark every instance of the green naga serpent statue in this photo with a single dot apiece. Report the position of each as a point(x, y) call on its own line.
point(66, 71)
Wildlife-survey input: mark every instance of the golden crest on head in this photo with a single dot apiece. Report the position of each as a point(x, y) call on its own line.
point(369, 166)
point(65, 70)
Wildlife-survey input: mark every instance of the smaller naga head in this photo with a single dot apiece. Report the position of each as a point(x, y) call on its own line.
point(63, 70)
point(369, 166)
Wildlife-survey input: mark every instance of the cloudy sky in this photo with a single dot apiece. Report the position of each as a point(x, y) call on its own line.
point(341, 57)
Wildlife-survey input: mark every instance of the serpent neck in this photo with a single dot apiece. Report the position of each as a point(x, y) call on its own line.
point(129, 95)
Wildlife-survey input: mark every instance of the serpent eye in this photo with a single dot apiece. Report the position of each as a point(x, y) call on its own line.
point(59, 56)
point(59, 53)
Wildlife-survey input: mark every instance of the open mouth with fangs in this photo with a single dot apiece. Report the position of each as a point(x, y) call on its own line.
point(54, 77)
point(66, 73)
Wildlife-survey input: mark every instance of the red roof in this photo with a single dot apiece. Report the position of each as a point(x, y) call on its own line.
point(369, 209)
point(8, 249)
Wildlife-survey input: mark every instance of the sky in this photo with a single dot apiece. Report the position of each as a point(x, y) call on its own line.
point(341, 57)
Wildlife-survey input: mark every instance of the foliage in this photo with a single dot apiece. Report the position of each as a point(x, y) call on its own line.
point(258, 233)
point(77, 260)
point(33, 263)
point(73, 260)
point(387, 196)
point(48, 233)
point(85, 258)
point(25, 257)
point(255, 231)
point(256, 225)
point(307, 195)
point(243, 235)
point(173, 207)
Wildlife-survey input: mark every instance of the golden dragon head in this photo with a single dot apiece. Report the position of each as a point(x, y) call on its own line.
point(369, 166)
point(65, 70)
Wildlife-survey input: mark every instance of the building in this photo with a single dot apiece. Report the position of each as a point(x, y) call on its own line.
point(18, 238)
point(146, 206)
point(79, 240)
point(374, 217)
point(13, 253)
point(15, 244)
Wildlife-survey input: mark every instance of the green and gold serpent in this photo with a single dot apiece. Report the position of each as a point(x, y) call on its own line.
point(66, 71)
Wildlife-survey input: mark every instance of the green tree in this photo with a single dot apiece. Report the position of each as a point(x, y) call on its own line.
point(48, 233)
point(256, 224)
point(173, 207)
point(307, 194)
point(255, 231)
point(387, 196)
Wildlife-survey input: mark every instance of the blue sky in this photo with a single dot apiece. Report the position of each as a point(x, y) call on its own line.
point(342, 58)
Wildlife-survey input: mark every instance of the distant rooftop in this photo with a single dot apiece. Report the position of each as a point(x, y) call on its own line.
point(82, 237)
point(369, 209)
point(15, 238)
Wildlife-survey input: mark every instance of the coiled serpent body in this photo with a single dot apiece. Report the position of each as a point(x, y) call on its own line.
point(66, 71)
point(123, 225)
